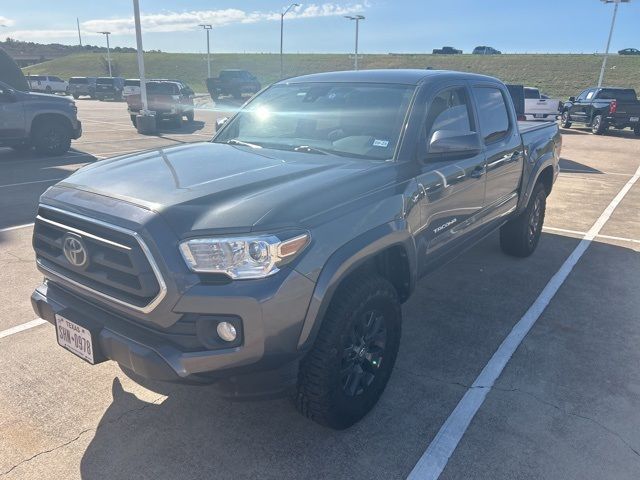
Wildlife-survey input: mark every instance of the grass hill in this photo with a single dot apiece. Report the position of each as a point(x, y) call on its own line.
point(558, 75)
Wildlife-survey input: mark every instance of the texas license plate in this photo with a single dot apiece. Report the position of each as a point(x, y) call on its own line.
point(634, 119)
point(74, 338)
point(538, 115)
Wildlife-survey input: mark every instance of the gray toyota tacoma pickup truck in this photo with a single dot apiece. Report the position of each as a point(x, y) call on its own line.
point(276, 257)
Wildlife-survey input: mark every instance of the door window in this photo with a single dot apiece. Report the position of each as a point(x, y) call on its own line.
point(492, 112)
point(449, 110)
point(582, 96)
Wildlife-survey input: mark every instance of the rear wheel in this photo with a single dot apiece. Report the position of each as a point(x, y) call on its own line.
point(565, 122)
point(520, 236)
point(51, 138)
point(134, 121)
point(189, 116)
point(636, 131)
point(598, 125)
point(344, 374)
point(176, 121)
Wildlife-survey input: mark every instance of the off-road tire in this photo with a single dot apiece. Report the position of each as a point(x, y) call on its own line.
point(598, 125)
point(51, 138)
point(519, 237)
point(322, 392)
point(565, 121)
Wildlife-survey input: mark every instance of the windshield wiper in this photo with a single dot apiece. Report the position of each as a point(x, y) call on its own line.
point(309, 149)
point(235, 141)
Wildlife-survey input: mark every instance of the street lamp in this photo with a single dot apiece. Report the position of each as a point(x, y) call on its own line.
point(613, 22)
point(106, 34)
point(357, 18)
point(284, 12)
point(208, 28)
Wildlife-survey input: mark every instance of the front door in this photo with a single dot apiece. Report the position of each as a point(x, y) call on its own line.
point(12, 124)
point(453, 184)
point(578, 111)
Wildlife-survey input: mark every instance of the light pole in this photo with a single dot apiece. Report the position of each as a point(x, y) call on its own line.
point(208, 28)
point(613, 22)
point(357, 18)
point(284, 12)
point(106, 34)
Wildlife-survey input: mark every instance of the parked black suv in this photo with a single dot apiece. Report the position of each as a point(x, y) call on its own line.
point(109, 88)
point(233, 82)
point(278, 255)
point(483, 50)
point(601, 108)
point(82, 86)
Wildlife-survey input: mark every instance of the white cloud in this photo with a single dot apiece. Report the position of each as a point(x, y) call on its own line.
point(183, 21)
point(39, 35)
point(7, 22)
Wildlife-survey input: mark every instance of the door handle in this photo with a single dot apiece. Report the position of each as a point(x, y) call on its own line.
point(478, 171)
point(515, 156)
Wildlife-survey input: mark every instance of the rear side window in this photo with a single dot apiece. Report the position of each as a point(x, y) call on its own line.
point(449, 110)
point(623, 95)
point(531, 93)
point(492, 112)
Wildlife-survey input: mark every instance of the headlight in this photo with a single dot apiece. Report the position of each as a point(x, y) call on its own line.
point(241, 257)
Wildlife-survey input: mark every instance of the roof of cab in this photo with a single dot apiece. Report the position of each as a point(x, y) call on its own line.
point(398, 76)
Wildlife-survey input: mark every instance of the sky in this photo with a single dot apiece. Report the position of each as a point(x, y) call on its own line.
point(401, 26)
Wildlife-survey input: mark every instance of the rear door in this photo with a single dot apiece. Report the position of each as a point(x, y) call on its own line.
point(453, 186)
point(503, 148)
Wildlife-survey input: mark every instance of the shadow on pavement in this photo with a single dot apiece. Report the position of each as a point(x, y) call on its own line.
point(451, 327)
point(571, 166)
point(26, 175)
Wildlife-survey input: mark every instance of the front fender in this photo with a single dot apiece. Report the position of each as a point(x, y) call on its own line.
point(345, 261)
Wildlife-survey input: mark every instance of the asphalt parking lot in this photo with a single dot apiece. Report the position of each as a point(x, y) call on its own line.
point(566, 405)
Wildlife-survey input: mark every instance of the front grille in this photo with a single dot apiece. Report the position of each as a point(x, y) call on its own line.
point(116, 267)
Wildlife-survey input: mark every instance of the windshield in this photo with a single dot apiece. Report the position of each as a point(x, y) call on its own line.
point(348, 119)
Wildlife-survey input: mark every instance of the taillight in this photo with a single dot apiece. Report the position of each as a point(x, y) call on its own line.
point(613, 107)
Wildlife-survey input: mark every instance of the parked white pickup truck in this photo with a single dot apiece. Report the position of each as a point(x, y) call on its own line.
point(540, 107)
point(47, 84)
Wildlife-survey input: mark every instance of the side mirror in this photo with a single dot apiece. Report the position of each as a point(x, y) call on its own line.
point(7, 95)
point(220, 122)
point(454, 143)
point(572, 99)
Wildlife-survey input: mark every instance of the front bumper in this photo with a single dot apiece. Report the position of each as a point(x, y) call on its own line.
point(162, 354)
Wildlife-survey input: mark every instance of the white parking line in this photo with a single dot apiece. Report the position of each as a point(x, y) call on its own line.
point(608, 237)
point(437, 455)
point(22, 327)
point(577, 170)
point(17, 227)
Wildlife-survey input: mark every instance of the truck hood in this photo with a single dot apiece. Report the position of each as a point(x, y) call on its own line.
point(225, 188)
point(47, 97)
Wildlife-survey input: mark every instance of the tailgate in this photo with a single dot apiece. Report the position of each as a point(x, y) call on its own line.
point(533, 106)
point(628, 111)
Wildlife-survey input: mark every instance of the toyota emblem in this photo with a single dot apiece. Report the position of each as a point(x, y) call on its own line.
point(74, 250)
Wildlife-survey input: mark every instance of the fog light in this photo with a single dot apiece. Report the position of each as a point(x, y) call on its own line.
point(226, 331)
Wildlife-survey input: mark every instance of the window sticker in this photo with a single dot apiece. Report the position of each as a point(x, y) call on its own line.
point(380, 143)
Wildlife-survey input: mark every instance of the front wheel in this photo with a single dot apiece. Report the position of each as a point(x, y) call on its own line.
point(345, 372)
point(636, 131)
point(565, 122)
point(52, 138)
point(598, 125)
point(189, 116)
point(520, 236)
